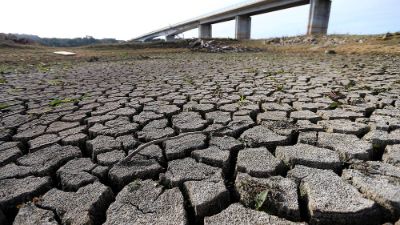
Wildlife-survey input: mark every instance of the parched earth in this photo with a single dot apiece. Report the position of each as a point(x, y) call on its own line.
point(301, 139)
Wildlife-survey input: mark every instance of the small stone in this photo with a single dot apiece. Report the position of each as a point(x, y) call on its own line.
point(259, 162)
point(330, 52)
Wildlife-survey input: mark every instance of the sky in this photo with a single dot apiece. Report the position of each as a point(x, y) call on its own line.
point(126, 19)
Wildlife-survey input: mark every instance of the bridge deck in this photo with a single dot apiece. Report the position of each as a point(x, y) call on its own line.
point(248, 8)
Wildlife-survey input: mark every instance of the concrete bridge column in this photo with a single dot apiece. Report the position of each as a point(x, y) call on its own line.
point(205, 31)
point(243, 27)
point(170, 38)
point(319, 16)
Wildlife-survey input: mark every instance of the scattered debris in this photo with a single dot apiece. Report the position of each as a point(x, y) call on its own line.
point(64, 53)
point(218, 46)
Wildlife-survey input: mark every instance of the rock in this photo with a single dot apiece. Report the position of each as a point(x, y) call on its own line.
point(80, 207)
point(188, 122)
point(206, 197)
point(76, 174)
point(310, 138)
point(281, 195)
point(379, 182)
point(16, 191)
point(9, 152)
point(182, 170)
point(330, 52)
point(348, 146)
point(99, 119)
point(262, 136)
point(144, 202)
point(110, 158)
point(156, 129)
point(146, 116)
point(46, 161)
point(271, 115)
point(43, 141)
point(259, 162)
point(212, 156)
point(114, 128)
point(13, 171)
point(102, 144)
point(308, 155)
point(139, 167)
point(332, 200)
point(305, 115)
point(182, 147)
point(60, 126)
point(226, 143)
point(380, 138)
point(392, 155)
point(236, 214)
point(219, 117)
point(29, 134)
point(339, 114)
point(31, 215)
point(236, 127)
point(15, 121)
point(344, 127)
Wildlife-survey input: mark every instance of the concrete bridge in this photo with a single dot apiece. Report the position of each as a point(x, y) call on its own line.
point(317, 23)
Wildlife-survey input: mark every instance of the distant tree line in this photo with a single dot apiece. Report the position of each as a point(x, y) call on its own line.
point(56, 42)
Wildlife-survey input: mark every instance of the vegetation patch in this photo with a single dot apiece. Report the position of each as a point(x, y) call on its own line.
point(57, 102)
point(3, 80)
point(3, 106)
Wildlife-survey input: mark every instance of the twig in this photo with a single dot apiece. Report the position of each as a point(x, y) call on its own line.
point(145, 145)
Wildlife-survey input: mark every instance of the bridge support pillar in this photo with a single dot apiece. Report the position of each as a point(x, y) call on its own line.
point(319, 17)
point(170, 38)
point(243, 27)
point(205, 31)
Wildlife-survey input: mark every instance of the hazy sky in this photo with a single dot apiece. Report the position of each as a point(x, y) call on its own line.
point(126, 19)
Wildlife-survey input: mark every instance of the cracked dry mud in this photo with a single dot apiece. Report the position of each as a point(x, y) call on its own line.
point(304, 140)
